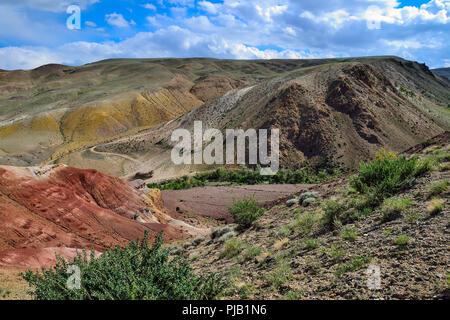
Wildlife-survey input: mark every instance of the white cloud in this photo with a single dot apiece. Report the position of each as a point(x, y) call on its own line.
point(150, 6)
point(256, 29)
point(212, 8)
point(117, 20)
point(90, 24)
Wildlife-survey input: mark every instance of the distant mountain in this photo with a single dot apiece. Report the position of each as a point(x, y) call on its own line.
point(445, 72)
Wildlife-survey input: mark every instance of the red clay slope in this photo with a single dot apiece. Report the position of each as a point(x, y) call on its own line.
point(65, 207)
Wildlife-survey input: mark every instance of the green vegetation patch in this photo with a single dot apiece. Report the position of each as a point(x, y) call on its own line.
point(134, 272)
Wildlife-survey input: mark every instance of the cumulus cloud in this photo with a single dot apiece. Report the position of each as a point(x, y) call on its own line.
point(117, 20)
point(266, 29)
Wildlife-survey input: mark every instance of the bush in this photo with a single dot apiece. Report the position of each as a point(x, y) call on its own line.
point(245, 211)
point(231, 248)
point(435, 206)
point(136, 271)
point(348, 234)
point(280, 274)
point(310, 244)
point(437, 188)
point(386, 176)
point(355, 263)
point(402, 240)
point(333, 211)
point(393, 207)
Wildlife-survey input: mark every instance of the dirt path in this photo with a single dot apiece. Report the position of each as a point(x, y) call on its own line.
point(214, 201)
point(114, 155)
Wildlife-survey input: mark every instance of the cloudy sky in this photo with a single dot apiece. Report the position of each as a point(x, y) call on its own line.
point(35, 32)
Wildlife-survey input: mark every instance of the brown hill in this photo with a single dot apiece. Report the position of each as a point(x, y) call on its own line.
point(338, 112)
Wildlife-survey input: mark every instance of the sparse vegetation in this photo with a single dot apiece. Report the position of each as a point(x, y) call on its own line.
point(435, 206)
point(245, 176)
point(355, 263)
point(280, 274)
point(437, 188)
point(310, 243)
point(136, 271)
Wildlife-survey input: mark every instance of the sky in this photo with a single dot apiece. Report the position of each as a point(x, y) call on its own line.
point(35, 32)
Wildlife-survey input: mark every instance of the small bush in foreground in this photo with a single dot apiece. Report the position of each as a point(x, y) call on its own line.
point(246, 211)
point(402, 240)
point(348, 233)
point(136, 271)
point(393, 207)
point(231, 248)
point(437, 188)
point(435, 206)
point(353, 264)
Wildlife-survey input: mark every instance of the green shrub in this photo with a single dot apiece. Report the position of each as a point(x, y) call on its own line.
point(310, 243)
point(333, 211)
point(393, 207)
point(435, 206)
point(353, 264)
point(136, 271)
point(348, 233)
point(280, 274)
point(252, 252)
point(386, 176)
point(231, 248)
point(402, 240)
point(304, 222)
point(437, 188)
point(245, 211)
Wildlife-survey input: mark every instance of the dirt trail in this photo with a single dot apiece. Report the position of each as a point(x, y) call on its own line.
point(114, 155)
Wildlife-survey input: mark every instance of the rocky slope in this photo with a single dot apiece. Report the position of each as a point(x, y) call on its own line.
point(289, 254)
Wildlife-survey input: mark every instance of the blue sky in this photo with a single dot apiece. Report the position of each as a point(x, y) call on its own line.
point(34, 32)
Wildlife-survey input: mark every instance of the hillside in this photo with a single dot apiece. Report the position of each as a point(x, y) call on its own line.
point(54, 109)
point(327, 247)
point(445, 72)
point(337, 112)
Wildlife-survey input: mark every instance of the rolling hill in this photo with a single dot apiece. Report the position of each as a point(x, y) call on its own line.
point(337, 112)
